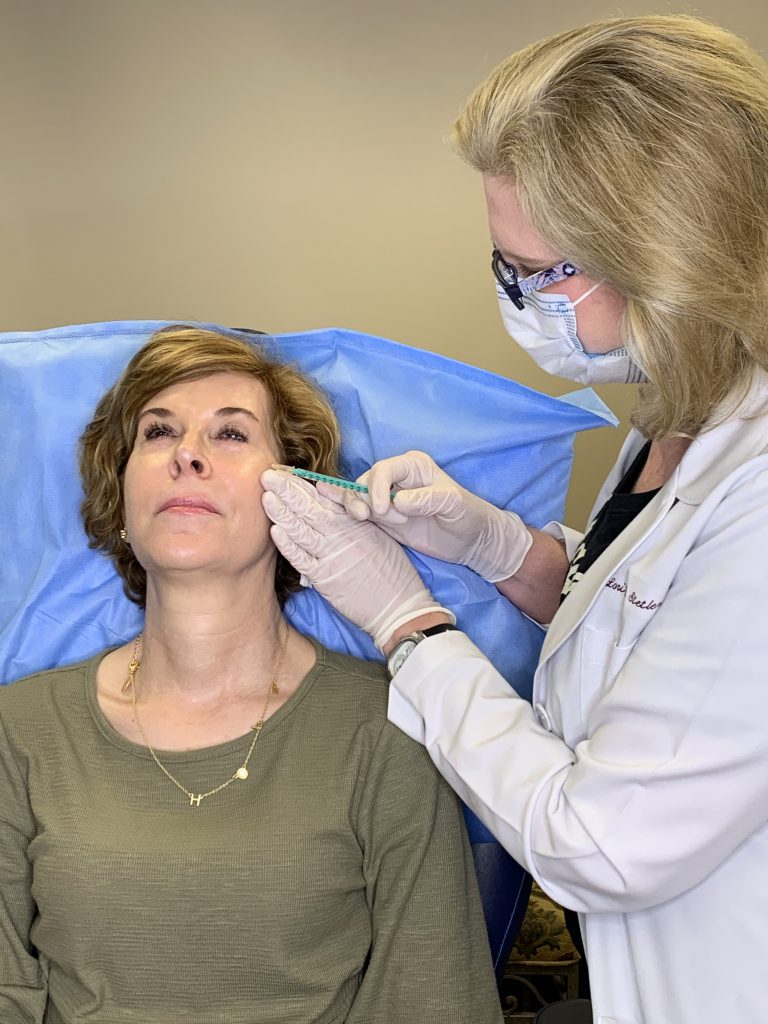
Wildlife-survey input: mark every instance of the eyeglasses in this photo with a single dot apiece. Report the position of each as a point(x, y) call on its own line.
point(516, 289)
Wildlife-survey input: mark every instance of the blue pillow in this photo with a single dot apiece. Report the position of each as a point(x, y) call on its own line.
point(61, 602)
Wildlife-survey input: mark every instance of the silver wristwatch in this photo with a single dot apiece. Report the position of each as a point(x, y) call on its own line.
point(406, 644)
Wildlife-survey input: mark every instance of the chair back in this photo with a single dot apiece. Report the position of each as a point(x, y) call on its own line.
point(565, 1011)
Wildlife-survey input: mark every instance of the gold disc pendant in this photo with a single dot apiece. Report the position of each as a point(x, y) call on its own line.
point(242, 773)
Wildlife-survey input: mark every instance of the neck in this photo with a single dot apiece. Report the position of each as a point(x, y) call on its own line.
point(213, 639)
point(668, 452)
point(663, 458)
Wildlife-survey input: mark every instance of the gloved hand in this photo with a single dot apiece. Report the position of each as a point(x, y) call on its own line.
point(361, 571)
point(435, 515)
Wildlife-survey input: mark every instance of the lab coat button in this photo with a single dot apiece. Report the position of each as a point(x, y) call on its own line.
point(542, 717)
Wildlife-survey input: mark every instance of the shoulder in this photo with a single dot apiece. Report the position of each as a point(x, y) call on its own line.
point(42, 694)
point(736, 510)
point(726, 456)
point(368, 679)
point(353, 695)
point(366, 683)
point(20, 690)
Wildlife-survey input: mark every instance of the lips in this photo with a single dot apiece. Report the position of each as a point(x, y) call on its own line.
point(188, 502)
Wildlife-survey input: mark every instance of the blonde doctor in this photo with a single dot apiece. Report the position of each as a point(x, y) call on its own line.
point(625, 166)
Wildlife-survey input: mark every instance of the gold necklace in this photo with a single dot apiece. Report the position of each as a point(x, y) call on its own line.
point(242, 771)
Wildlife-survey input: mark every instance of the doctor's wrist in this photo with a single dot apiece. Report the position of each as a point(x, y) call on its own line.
point(537, 586)
point(420, 622)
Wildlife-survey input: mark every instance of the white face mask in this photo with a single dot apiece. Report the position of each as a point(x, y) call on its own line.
point(546, 329)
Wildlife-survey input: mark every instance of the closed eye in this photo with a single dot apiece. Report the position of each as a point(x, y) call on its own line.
point(228, 432)
point(231, 433)
point(156, 429)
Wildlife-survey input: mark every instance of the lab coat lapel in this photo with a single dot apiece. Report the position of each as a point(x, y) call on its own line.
point(585, 592)
point(712, 456)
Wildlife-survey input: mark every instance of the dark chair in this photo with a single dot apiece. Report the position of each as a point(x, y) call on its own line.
point(565, 1011)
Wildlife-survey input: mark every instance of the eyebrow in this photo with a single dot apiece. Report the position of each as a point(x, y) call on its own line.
point(233, 410)
point(227, 410)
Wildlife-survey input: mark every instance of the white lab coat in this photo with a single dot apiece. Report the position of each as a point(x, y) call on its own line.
point(635, 788)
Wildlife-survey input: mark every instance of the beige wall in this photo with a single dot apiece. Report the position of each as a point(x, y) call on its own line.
point(278, 164)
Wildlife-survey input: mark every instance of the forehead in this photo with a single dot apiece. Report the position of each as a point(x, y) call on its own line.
point(215, 391)
point(509, 229)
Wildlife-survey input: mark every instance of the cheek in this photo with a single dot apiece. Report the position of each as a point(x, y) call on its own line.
point(141, 483)
point(599, 320)
point(612, 303)
point(251, 475)
point(245, 493)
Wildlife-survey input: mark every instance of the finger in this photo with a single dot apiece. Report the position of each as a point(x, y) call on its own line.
point(302, 499)
point(358, 506)
point(332, 492)
point(331, 499)
point(414, 469)
point(301, 532)
point(272, 506)
point(281, 482)
point(301, 560)
point(411, 469)
point(381, 479)
point(355, 503)
point(358, 503)
point(427, 501)
point(392, 517)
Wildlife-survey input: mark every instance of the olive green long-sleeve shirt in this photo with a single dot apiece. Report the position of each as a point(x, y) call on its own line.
point(334, 885)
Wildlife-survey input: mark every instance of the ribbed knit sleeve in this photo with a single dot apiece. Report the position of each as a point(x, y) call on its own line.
point(429, 960)
point(22, 984)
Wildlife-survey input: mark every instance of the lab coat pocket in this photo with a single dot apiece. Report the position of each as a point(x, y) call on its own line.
point(602, 658)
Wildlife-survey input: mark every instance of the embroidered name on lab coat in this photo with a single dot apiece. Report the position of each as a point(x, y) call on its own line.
point(613, 584)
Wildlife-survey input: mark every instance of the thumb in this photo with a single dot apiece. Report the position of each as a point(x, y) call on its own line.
point(426, 501)
point(333, 492)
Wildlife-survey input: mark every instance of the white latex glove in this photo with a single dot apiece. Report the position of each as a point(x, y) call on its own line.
point(435, 515)
point(360, 570)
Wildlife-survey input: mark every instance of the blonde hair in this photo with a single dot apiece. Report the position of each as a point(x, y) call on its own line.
point(639, 149)
point(303, 424)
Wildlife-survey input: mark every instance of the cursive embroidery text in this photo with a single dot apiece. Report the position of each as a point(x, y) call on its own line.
point(649, 606)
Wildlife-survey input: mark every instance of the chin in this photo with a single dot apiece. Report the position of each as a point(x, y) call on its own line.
point(179, 553)
point(190, 554)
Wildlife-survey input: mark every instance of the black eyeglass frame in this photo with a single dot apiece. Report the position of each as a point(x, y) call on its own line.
point(516, 289)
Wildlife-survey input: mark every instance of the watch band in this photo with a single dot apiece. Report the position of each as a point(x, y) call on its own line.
point(442, 628)
point(407, 643)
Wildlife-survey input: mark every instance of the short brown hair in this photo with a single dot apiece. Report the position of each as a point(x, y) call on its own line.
point(639, 149)
point(303, 423)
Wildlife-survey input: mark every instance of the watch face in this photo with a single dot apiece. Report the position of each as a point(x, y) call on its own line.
point(399, 655)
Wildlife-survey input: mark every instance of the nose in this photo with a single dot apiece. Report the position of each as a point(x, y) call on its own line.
point(190, 459)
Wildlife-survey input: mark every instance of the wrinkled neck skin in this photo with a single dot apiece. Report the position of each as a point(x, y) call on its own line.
point(211, 633)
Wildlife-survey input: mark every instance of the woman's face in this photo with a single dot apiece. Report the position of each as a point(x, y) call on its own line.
point(191, 489)
point(598, 317)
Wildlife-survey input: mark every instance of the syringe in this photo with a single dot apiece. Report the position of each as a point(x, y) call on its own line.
point(337, 481)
